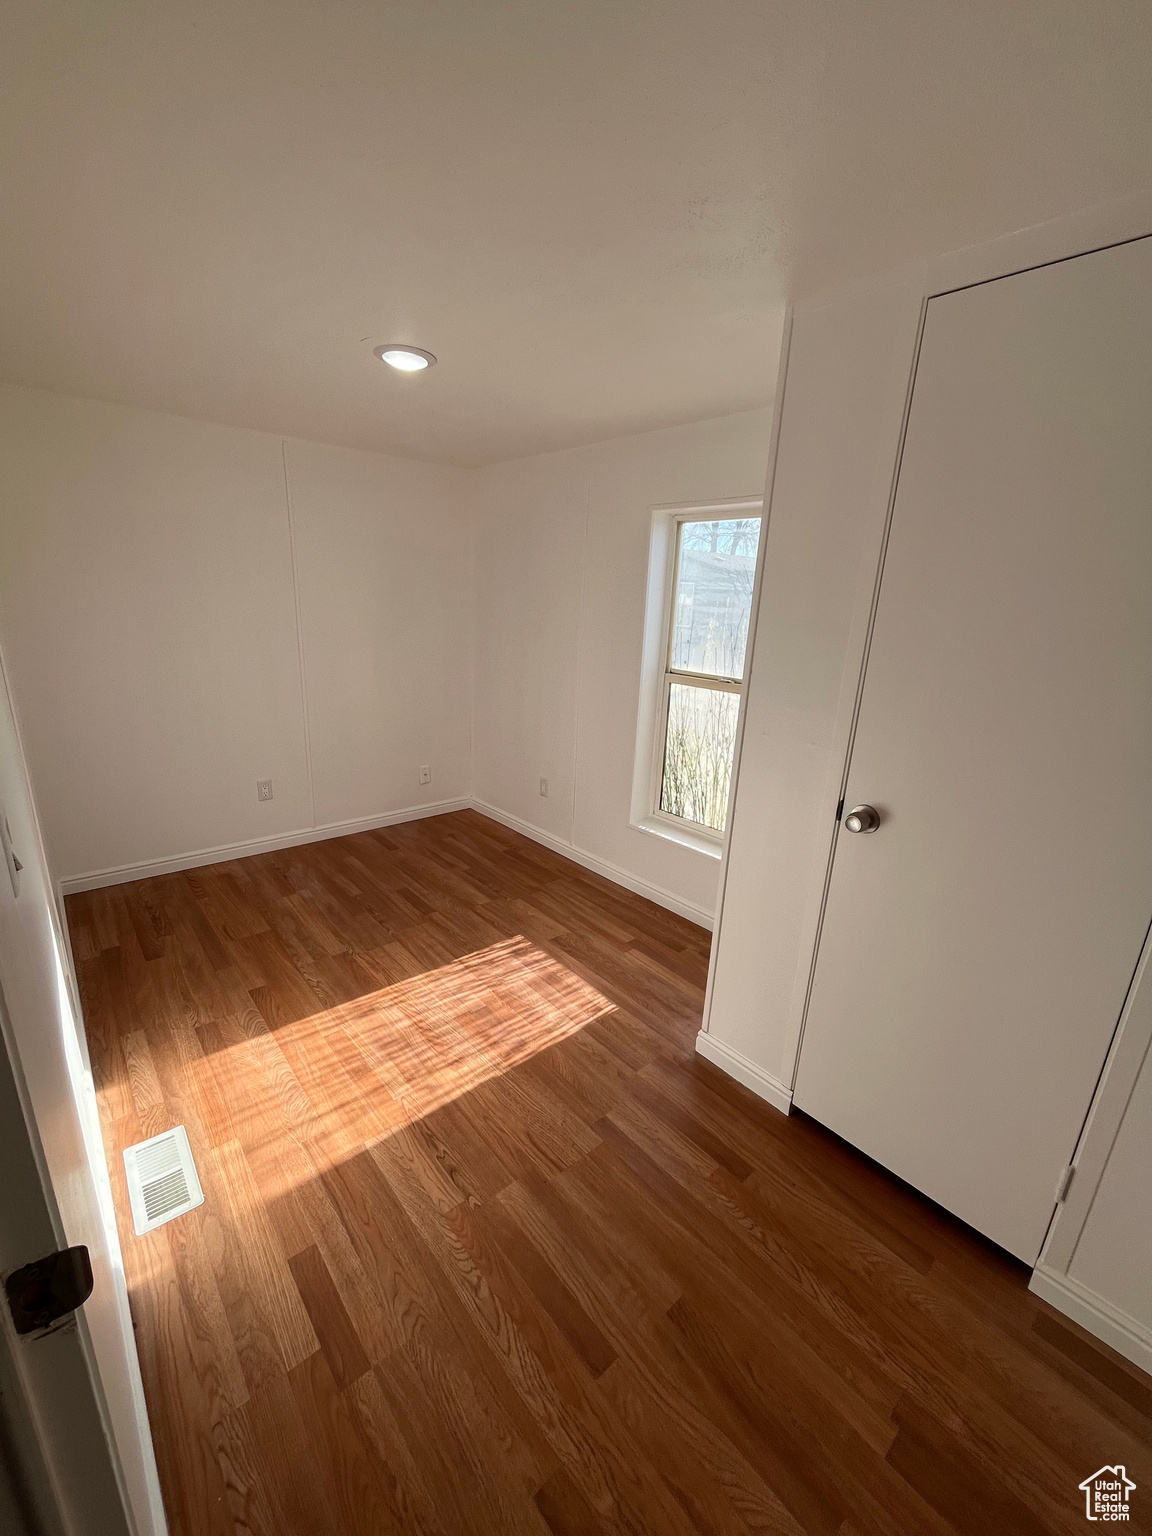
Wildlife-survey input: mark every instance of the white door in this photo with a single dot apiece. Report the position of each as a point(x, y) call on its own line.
point(976, 947)
point(79, 1383)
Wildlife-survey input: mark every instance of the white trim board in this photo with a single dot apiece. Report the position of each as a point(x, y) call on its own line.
point(1128, 1337)
point(750, 653)
point(745, 1071)
point(686, 909)
point(124, 873)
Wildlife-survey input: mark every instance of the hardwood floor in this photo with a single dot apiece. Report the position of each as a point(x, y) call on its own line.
point(487, 1249)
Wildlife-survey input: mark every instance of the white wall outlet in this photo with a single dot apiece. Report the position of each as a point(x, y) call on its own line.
point(425, 774)
point(544, 788)
point(263, 789)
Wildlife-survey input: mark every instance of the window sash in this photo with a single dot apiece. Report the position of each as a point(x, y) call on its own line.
point(658, 676)
point(713, 681)
point(692, 676)
point(710, 680)
point(711, 685)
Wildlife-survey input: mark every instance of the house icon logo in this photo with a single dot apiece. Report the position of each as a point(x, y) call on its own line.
point(1106, 1494)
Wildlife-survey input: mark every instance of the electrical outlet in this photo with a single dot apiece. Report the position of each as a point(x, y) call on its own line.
point(544, 788)
point(263, 789)
point(425, 774)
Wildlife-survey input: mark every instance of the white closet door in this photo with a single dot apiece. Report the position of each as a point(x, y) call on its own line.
point(977, 946)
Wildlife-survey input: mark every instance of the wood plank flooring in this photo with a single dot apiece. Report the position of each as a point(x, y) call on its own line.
point(486, 1249)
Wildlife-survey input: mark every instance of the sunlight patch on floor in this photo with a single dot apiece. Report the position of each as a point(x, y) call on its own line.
point(311, 1094)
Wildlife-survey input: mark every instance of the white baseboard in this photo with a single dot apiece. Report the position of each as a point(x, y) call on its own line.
point(1128, 1337)
point(745, 1071)
point(687, 909)
point(124, 873)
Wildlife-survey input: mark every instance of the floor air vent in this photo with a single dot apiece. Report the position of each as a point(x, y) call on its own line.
point(162, 1181)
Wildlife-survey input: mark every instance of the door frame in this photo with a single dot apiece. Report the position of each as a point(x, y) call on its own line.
point(1129, 1056)
point(88, 1363)
point(1062, 239)
point(56, 1457)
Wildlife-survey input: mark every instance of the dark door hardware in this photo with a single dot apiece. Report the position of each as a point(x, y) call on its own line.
point(48, 1289)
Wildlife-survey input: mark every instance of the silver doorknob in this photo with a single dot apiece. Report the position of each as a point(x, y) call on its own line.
point(862, 818)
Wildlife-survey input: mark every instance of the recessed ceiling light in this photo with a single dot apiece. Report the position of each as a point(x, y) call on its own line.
point(405, 359)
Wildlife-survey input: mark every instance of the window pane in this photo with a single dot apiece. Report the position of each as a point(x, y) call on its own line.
point(698, 754)
point(716, 567)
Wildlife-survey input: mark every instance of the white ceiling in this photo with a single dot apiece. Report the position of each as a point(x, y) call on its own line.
point(591, 211)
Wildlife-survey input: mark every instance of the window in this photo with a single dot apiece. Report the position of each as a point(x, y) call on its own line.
point(704, 568)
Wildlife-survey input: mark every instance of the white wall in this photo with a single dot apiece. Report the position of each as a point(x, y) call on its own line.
point(561, 572)
point(383, 552)
point(148, 612)
point(187, 608)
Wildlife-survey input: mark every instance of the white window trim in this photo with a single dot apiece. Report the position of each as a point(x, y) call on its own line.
point(646, 815)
